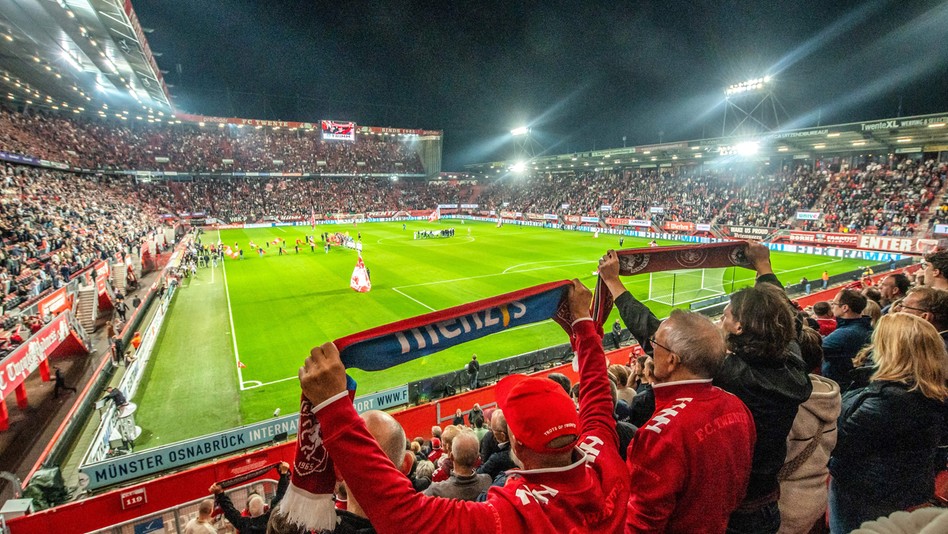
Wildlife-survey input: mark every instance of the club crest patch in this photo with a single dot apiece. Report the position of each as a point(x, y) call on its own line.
point(691, 258)
point(632, 264)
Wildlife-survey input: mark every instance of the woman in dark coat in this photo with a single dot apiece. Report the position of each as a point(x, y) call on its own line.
point(885, 456)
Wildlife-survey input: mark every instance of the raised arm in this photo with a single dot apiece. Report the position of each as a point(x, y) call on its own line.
point(640, 320)
point(595, 401)
point(386, 495)
point(759, 256)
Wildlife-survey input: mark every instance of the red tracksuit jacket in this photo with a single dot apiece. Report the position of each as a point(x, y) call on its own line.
point(589, 495)
point(690, 463)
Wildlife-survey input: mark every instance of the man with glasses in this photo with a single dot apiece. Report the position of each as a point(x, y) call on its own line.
point(929, 304)
point(853, 331)
point(936, 270)
point(689, 464)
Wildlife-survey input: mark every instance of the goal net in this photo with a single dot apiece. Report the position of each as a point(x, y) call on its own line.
point(679, 287)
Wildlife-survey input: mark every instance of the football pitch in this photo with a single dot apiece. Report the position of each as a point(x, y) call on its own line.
point(267, 312)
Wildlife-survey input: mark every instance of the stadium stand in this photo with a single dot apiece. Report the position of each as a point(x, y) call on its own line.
point(177, 146)
point(56, 223)
point(883, 199)
point(772, 201)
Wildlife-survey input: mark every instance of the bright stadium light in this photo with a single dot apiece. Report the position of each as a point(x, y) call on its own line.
point(755, 84)
point(747, 148)
point(518, 167)
point(523, 130)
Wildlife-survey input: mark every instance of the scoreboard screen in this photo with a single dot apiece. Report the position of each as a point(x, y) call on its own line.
point(338, 130)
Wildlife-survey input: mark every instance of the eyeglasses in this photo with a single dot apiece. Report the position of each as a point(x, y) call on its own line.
point(904, 307)
point(657, 344)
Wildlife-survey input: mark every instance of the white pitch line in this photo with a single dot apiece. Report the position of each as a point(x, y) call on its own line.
point(495, 274)
point(233, 332)
point(395, 289)
point(791, 270)
point(568, 262)
point(258, 384)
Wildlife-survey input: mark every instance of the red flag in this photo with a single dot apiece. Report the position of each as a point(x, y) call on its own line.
point(241, 365)
point(435, 215)
point(360, 278)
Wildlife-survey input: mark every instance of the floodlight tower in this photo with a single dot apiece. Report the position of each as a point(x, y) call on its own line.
point(751, 107)
point(525, 146)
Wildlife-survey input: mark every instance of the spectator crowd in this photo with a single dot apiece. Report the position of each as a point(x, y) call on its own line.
point(176, 146)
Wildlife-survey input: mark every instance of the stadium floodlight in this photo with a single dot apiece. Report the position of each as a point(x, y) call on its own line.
point(747, 148)
point(518, 167)
point(523, 130)
point(755, 84)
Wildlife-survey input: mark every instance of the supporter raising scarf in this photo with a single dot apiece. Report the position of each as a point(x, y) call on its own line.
point(308, 502)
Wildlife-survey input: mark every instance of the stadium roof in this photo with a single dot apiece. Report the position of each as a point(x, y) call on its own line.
point(904, 135)
point(78, 55)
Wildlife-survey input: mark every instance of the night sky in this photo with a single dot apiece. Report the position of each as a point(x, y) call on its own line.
point(581, 74)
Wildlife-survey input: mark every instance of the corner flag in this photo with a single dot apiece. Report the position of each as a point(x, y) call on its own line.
point(435, 215)
point(360, 278)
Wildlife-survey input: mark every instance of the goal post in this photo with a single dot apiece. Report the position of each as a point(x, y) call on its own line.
point(680, 287)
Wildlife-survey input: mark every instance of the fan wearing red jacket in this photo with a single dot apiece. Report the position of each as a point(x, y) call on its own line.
point(689, 465)
point(573, 479)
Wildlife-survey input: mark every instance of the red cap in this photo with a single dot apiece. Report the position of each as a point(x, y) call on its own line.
point(537, 411)
point(435, 443)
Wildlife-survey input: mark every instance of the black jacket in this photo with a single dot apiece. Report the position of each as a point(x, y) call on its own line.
point(349, 523)
point(772, 389)
point(251, 525)
point(886, 444)
point(497, 463)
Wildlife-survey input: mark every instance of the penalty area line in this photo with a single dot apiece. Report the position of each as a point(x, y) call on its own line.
point(395, 289)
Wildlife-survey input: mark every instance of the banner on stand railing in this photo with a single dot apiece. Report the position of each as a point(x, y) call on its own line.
point(749, 232)
point(19, 364)
point(679, 226)
point(102, 274)
point(846, 240)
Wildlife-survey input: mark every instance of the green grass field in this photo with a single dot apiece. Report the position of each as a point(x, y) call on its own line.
point(274, 309)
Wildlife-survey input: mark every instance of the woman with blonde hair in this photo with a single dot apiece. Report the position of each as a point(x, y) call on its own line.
point(873, 312)
point(889, 431)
